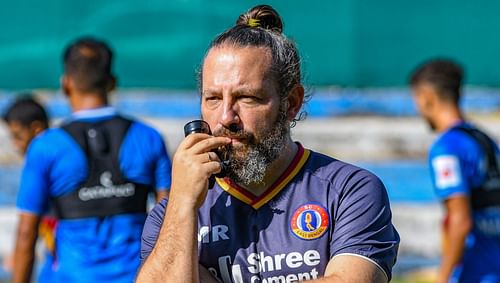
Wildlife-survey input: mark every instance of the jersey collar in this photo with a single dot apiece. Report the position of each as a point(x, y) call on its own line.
point(95, 113)
point(257, 201)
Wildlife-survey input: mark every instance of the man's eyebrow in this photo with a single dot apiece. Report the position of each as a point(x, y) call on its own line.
point(239, 91)
point(249, 91)
point(209, 92)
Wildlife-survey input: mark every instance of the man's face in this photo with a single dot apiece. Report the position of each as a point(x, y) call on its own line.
point(240, 100)
point(424, 95)
point(21, 135)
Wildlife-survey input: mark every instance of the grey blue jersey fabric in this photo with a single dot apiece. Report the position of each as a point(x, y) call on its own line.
point(318, 209)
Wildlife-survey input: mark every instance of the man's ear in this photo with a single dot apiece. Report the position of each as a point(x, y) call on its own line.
point(111, 84)
point(66, 85)
point(37, 127)
point(295, 100)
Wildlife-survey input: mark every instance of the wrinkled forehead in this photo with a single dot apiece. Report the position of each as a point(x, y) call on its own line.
point(238, 56)
point(236, 65)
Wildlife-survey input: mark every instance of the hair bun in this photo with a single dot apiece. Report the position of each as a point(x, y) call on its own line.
point(263, 16)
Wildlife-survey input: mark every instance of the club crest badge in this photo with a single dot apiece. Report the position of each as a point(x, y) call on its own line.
point(310, 221)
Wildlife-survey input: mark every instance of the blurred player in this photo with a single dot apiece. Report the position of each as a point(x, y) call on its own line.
point(465, 174)
point(26, 119)
point(96, 171)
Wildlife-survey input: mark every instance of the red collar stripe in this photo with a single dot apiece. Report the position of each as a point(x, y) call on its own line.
point(256, 202)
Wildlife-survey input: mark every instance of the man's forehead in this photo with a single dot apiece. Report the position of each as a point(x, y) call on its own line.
point(424, 87)
point(230, 53)
point(17, 125)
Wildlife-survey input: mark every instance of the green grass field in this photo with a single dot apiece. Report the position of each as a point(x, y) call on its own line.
point(412, 280)
point(421, 276)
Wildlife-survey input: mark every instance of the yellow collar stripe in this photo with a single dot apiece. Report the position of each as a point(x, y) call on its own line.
point(257, 202)
point(233, 191)
point(282, 184)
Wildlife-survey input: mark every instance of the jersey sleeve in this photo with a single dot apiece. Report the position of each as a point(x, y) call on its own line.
point(144, 158)
point(34, 193)
point(362, 222)
point(447, 173)
point(152, 229)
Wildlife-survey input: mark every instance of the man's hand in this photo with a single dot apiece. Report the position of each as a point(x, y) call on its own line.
point(175, 255)
point(193, 164)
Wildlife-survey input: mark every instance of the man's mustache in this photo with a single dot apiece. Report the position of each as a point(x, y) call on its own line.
point(234, 132)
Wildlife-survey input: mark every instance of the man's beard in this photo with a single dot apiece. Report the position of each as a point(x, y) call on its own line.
point(249, 162)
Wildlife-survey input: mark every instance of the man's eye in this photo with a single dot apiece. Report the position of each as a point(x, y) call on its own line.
point(211, 98)
point(249, 98)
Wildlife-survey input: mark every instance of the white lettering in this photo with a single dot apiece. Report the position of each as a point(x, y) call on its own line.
point(261, 263)
point(290, 278)
point(304, 276)
point(314, 273)
point(311, 258)
point(219, 232)
point(253, 261)
point(294, 260)
point(278, 259)
point(277, 279)
point(266, 261)
point(203, 234)
point(224, 263)
point(100, 192)
point(237, 276)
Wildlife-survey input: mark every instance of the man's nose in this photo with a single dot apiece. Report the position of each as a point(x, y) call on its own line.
point(229, 115)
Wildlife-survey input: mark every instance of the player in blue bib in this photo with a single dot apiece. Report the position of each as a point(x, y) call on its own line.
point(466, 177)
point(280, 213)
point(94, 172)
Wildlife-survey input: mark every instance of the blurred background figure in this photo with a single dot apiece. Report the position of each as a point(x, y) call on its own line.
point(465, 175)
point(95, 171)
point(26, 118)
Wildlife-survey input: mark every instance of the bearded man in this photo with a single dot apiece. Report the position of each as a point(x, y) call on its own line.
point(282, 213)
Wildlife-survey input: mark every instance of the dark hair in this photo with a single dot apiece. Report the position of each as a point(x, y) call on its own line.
point(261, 26)
point(444, 75)
point(88, 61)
point(25, 110)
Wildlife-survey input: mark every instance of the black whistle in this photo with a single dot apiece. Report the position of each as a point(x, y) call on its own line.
point(197, 126)
point(200, 126)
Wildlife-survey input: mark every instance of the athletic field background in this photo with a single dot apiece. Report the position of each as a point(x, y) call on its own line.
point(357, 56)
point(375, 129)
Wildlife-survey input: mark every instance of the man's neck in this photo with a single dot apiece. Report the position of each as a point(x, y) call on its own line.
point(84, 101)
point(275, 170)
point(447, 118)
